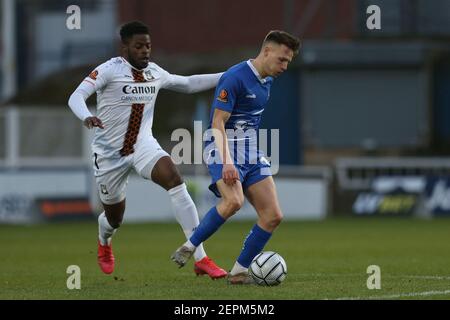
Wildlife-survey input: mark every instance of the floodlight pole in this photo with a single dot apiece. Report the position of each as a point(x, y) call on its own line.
point(8, 49)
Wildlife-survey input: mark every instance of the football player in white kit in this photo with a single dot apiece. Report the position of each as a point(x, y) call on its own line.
point(127, 87)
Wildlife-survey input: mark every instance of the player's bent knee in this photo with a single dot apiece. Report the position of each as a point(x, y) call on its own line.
point(168, 181)
point(277, 218)
point(272, 219)
point(233, 204)
point(174, 181)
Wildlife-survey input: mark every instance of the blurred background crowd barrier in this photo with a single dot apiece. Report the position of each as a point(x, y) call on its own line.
point(364, 115)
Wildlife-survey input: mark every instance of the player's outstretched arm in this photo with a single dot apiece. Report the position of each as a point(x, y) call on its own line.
point(194, 83)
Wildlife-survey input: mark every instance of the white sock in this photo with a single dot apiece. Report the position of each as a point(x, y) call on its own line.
point(186, 214)
point(105, 231)
point(237, 268)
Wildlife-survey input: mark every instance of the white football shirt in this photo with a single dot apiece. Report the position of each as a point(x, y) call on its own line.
point(117, 90)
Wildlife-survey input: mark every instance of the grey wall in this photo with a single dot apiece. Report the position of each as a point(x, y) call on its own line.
point(351, 108)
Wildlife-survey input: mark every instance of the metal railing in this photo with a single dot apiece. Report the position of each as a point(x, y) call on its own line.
point(42, 137)
point(358, 173)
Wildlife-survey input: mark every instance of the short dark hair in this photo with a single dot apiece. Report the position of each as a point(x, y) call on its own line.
point(131, 28)
point(282, 37)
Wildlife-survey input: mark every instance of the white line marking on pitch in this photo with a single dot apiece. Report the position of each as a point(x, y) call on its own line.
point(400, 295)
point(424, 277)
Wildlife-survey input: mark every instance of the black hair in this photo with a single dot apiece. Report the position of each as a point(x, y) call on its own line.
point(131, 28)
point(282, 37)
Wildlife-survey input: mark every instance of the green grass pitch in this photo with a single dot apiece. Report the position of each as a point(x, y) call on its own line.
point(325, 260)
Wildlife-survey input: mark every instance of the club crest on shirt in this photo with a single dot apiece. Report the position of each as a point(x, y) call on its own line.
point(223, 96)
point(148, 76)
point(93, 75)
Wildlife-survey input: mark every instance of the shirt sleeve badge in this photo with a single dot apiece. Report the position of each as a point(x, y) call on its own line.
point(223, 96)
point(93, 75)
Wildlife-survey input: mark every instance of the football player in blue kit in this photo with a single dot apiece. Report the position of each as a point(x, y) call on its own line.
point(234, 162)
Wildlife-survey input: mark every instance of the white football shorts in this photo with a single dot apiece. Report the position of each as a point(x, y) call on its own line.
point(111, 174)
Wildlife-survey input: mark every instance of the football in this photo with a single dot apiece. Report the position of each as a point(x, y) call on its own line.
point(268, 269)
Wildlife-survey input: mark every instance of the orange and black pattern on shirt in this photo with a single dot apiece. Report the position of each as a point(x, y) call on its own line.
point(134, 124)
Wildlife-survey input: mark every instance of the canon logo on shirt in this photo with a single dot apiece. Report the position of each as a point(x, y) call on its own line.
point(129, 89)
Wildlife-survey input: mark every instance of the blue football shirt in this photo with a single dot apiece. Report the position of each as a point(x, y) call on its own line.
point(242, 92)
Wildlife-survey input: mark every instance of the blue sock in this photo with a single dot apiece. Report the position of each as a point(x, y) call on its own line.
point(209, 224)
point(253, 244)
